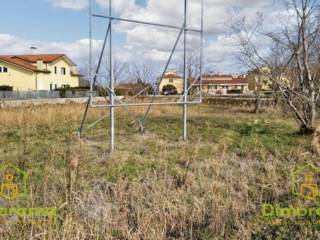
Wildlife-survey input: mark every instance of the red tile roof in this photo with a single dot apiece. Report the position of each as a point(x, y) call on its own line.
point(171, 75)
point(225, 82)
point(27, 61)
point(214, 80)
point(18, 62)
point(47, 58)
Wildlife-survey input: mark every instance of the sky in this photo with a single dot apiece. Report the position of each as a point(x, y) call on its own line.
point(61, 26)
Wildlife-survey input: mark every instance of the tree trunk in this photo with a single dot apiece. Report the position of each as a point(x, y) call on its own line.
point(312, 106)
point(306, 130)
point(258, 101)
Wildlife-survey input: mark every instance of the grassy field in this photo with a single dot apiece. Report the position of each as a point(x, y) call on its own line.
point(155, 186)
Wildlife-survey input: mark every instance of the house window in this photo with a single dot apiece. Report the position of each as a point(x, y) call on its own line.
point(50, 86)
point(170, 80)
point(63, 71)
point(5, 70)
point(55, 70)
point(55, 86)
point(0, 69)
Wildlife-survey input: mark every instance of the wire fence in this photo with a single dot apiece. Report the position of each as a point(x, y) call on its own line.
point(25, 95)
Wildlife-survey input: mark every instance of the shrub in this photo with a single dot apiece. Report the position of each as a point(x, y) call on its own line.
point(120, 92)
point(169, 90)
point(234, 91)
point(6, 88)
point(62, 91)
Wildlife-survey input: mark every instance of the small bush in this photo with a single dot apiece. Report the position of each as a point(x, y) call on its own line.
point(120, 92)
point(6, 88)
point(234, 91)
point(62, 91)
point(169, 90)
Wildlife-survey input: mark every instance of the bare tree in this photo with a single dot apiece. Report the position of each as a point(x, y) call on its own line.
point(291, 55)
point(262, 80)
point(120, 70)
point(84, 69)
point(193, 65)
point(143, 72)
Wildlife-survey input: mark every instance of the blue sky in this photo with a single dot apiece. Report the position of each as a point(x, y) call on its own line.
point(62, 26)
point(40, 20)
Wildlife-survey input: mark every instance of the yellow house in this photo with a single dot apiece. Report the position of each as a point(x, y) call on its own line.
point(171, 78)
point(38, 72)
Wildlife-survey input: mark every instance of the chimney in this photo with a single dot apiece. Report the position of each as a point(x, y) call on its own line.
point(39, 65)
point(33, 50)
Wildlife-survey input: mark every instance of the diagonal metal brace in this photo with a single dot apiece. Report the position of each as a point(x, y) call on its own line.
point(163, 73)
point(95, 78)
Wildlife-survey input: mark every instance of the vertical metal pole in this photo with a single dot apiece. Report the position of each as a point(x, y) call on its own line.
point(111, 97)
point(90, 52)
point(201, 53)
point(185, 82)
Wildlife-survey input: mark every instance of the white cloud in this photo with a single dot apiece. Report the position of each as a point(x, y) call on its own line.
point(217, 13)
point(155, 43)
point(77, 50)
point(221, 54)
point(70, 4)
point(119, 5)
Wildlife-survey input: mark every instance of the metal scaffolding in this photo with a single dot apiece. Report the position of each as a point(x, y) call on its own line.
point(114, 100)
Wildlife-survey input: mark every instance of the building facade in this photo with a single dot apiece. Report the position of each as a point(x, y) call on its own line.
point(211, 84)
point(38, 72)
point(223, 84)
point(171, 78)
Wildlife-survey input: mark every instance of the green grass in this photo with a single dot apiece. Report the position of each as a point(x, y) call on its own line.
point(159, 187)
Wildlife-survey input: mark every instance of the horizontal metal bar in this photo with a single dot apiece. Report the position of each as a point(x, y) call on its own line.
point(146, 23)
point(144, 104)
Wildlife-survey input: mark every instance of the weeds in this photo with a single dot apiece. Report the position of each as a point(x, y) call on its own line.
point(154, 186)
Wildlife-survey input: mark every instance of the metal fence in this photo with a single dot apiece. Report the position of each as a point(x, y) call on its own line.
point(24, 95)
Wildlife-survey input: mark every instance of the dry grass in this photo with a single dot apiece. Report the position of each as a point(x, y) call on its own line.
point(155, 186)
